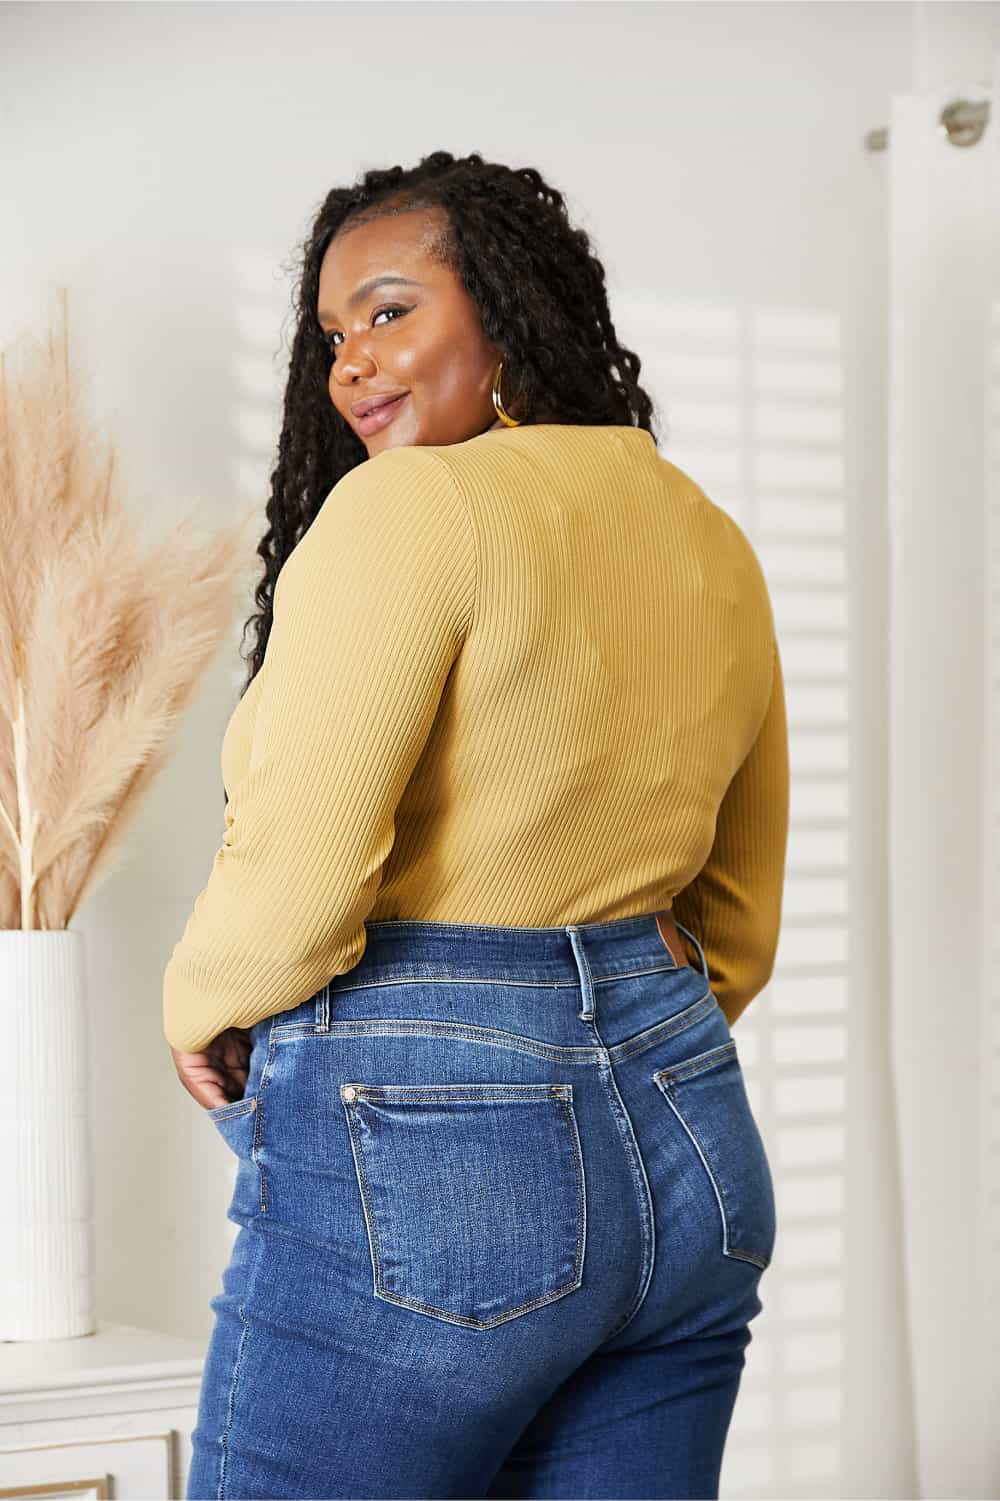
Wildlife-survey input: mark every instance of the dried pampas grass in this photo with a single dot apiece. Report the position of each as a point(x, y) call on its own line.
point(103, 638)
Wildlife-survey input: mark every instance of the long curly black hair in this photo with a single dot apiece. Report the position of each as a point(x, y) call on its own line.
point(541, 294)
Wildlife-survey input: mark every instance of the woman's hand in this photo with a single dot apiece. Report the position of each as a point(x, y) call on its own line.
point(218, 1074)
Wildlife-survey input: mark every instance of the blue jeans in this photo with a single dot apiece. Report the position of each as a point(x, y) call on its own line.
point(504, 1208)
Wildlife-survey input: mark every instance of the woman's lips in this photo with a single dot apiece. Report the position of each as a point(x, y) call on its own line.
point(381, 416)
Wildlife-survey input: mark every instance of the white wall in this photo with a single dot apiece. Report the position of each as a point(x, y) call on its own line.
point(162, 161)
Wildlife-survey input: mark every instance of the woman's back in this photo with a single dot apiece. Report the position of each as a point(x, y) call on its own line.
point(527, 679)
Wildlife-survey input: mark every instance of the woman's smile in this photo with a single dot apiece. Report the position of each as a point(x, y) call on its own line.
point(381, 415)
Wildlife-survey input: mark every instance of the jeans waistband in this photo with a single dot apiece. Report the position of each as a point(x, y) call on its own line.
point(568, 961)
point(414, 947)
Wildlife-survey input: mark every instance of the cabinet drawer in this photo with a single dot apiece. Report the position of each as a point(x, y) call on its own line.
point(106, 1467)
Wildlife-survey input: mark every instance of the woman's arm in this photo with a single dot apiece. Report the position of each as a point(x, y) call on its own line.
point(734, 902)
point(370, 611)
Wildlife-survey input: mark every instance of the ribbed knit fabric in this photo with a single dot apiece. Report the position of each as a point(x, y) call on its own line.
point(530, 679)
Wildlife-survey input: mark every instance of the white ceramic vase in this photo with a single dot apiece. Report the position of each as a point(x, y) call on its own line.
point(46, 1266)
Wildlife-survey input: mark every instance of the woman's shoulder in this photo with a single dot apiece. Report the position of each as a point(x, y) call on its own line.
point(371, 492)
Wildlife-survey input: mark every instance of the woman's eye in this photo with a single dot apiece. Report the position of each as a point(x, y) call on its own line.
point(393, 309)
point(329, 338)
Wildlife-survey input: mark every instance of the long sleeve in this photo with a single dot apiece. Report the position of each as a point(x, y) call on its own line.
point(370, 612)
point(734, 903)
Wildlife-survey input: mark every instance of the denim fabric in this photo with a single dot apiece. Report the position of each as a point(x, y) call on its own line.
point(504, 1208)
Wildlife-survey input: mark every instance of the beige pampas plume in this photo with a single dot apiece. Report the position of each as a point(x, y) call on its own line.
point(103, 639)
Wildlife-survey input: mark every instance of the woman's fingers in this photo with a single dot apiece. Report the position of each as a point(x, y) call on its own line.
point(236, 1048)
point(218, 1074)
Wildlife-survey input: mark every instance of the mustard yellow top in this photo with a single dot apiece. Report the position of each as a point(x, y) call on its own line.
point(531, 678)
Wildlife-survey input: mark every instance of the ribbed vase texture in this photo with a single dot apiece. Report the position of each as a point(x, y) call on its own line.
point(46, 1268)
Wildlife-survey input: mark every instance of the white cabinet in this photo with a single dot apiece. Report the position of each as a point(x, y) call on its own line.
point(106, 1415)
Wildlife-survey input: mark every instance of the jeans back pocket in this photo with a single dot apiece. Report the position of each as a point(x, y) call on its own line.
point(707, 1094)
point(473, 1195)
point(236, 1123)
point(232, 1121)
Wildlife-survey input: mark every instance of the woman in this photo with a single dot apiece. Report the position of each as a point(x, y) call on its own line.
point(514, 725)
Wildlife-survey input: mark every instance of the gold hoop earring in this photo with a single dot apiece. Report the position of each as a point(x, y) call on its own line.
point(498, 406)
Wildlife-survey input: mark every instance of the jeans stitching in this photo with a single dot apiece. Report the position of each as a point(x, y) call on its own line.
point(637, 1167)
point(564, 1099)
point(235, 1107)
point(258, 1136)
point(737, 1252)
point(512, 1041)
point(237, 1367)
point(462, 977)
point(697, 1065)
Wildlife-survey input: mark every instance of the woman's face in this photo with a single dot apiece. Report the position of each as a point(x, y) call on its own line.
point(416, 335)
